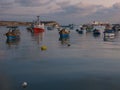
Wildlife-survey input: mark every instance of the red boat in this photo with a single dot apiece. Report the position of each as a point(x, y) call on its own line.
point(38, 27)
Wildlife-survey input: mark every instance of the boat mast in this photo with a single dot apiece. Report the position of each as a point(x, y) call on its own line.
point(38, 19)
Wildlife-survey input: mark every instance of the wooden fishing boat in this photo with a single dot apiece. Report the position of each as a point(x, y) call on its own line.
point(13, 33)
point(64, 34)
point(13, 41)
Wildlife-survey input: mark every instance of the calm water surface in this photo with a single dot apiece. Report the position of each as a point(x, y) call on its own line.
point(88, 64)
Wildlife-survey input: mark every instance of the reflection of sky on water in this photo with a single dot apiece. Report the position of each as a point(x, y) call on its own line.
point(88, 64)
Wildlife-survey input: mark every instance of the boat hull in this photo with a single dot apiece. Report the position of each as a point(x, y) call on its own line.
point(12, 41)
point(109, 34)
point(38, 30)
point(64, 36)
point(12, 37)
point(96, 32)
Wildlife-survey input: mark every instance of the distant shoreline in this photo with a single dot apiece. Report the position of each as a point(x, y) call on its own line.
point(18, 23)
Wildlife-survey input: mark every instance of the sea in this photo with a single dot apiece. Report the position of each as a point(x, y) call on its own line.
point(83, 62)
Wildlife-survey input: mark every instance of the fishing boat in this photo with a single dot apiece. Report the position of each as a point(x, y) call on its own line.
point(38, 26)
point(13, 33)
point(96, 32)
point(13, 41)
point(64, 34)
point(109, 33)
point(79, 31)
point(50, 28)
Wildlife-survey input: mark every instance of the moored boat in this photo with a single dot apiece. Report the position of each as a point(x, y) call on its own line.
point(109, 33)
point(38, 26)
point(12, 41)
point(96, 32)
point(50, 28)
point(64, 34)
point(13, 33)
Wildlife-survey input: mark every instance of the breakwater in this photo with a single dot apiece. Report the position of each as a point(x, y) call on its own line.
point(18, 23)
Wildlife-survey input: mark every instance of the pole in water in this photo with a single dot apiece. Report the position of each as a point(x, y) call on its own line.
point(38, 18)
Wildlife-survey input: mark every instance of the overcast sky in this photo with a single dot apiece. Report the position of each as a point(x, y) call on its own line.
point(62, 11)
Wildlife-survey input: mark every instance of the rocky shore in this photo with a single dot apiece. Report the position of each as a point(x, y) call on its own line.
point(17, 23)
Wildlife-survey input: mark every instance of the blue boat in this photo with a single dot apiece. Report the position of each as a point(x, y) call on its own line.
point(13, 33)
point(10, 37)
point(96, 32)
point(13, 41)
point(64, 34)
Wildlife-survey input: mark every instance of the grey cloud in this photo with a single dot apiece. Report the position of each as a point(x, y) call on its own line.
point(73, 13)
point(63, 3)
point(111, 14)
point(32, 3)
point(6, 4)
point(70, 9)
point(61, 11)
point(79, 9)
point(116, 6)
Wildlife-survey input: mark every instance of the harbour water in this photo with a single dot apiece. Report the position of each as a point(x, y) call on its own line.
point(89, 63)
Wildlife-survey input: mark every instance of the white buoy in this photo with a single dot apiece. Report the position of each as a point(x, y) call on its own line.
point(24, 84)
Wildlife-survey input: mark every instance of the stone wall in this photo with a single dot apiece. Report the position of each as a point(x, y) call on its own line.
point(16, 23)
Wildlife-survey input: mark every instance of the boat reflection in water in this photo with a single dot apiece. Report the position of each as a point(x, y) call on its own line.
point(37, 37)
point(12, 42)
point(96, 35)
point(65, 42)
point(111, 39)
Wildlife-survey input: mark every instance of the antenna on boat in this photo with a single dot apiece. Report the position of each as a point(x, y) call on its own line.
point(38, 18)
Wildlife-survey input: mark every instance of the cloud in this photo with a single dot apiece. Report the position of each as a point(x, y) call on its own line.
point(116, 6)
point(111, 14)
point(33, 3)
point(78, 8)
point(63, 11)
point(6, 4)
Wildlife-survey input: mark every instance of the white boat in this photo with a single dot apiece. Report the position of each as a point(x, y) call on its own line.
point(109, 33)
